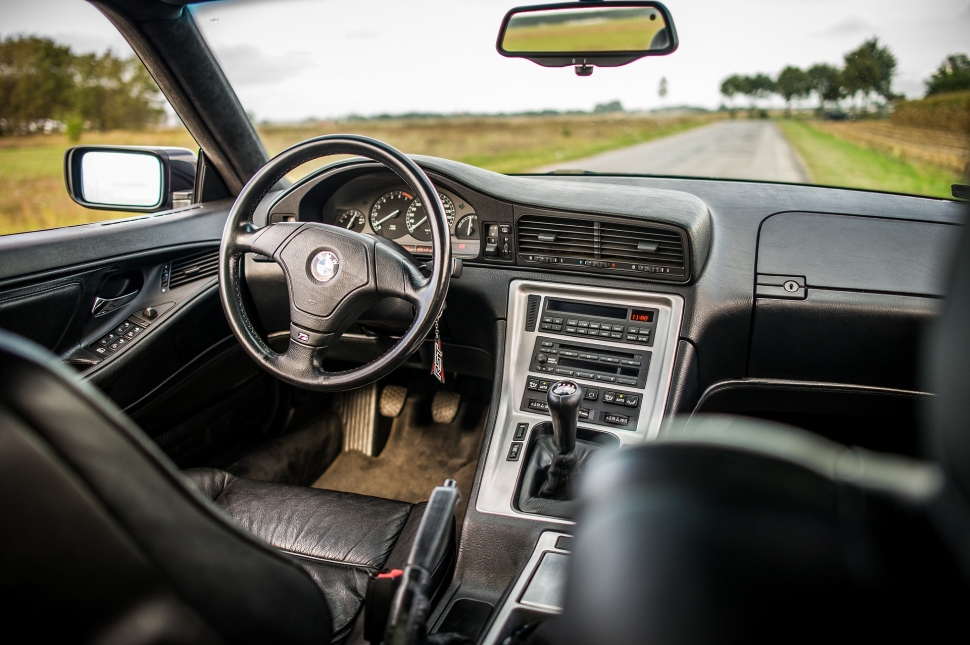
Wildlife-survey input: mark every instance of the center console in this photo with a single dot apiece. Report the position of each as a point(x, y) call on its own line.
point(617, 345)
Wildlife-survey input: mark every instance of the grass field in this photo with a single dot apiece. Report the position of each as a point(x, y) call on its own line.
point(33, 196)
point(835, 161)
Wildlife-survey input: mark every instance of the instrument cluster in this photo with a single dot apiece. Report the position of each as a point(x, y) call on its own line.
point(396, 214)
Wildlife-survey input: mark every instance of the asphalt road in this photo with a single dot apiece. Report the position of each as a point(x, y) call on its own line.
point(732, 149)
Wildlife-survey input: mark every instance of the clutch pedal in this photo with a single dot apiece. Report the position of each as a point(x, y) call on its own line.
point(444, 406)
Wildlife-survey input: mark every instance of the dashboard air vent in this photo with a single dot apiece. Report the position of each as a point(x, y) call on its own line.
point(612, 246)
point(193, 267)
point(559, 236)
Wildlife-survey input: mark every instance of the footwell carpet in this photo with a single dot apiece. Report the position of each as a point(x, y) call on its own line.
point(419, 455)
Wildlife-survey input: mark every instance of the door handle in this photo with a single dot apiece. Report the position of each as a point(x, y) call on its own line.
point(104, 305)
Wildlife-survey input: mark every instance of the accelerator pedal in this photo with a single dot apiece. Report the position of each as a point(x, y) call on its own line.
point(392, 400)
point(444, 406)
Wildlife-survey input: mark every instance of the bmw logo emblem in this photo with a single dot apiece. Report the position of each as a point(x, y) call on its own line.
point(324, 266)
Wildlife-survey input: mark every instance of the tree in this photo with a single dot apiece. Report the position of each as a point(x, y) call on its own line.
point(826, 81)
point(792, 83)
point(760, 86)
point(869, 69)
point(114, 93)
point(732, 86)
point(41, 81)
point(35, 82)
point(953, 75)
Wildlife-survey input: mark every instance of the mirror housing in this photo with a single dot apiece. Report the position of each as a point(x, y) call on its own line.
point(585, 34)
point(128, 178)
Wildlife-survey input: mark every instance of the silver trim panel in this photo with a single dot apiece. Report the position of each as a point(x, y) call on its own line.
point(500, 475)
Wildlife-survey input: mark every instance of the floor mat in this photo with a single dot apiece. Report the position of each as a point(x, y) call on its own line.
point(419, 455)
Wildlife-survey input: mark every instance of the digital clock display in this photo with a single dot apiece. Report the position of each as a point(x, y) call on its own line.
point(642, 316)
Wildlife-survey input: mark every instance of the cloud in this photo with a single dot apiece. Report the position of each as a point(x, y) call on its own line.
point(248, 65)
point(848, 26)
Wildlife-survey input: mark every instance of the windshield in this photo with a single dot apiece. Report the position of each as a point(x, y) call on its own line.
point(863, 94)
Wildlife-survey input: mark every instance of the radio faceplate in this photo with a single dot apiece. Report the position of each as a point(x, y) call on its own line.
point(584, 319)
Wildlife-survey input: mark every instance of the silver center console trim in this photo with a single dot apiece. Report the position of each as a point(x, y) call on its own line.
point(500, 475)
point(545, 544)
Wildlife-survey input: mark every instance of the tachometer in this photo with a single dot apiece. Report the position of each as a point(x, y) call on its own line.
point(387, 214)
point(417, 218)
point(352, 220)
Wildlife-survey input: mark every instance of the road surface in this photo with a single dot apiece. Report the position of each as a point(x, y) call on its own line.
point(733, 149)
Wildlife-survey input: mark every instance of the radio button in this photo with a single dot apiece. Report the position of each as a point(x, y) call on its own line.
point(546, 343)
point(559, 370)
point(581, 331)
point(566, 352)
point(570, 330)
point(547, 319)
point(626, 381)
point(571, 321)
point(633, 330)
point(630, 363)
point(606, 377)
point(584, 323)
point(557, 321)
point(643, 339)
point(594, 325)
point(585, 375)
point(609, 359)
point(616, 334)
point(618, 328)
point(591, 357)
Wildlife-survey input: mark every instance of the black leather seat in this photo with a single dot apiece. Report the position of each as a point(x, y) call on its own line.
point(730, 530)
point(104, 540)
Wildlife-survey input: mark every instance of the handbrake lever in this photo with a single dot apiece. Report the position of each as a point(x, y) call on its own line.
point(434, 534)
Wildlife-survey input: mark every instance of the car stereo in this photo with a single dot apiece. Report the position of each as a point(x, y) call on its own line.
point(584, 319)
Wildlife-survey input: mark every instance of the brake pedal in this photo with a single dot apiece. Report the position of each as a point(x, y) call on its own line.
point(444, 406)
point(392, 400)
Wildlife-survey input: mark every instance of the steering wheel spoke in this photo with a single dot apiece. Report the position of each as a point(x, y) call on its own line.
point(397, 274)
point(266, 240)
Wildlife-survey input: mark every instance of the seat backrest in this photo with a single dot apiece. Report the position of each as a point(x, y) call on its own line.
point(946, 369)
point(101, 539)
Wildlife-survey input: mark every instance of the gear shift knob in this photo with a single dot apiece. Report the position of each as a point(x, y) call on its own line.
point(564, 398)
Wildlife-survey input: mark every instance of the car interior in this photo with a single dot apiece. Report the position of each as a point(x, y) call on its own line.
point(407, 400)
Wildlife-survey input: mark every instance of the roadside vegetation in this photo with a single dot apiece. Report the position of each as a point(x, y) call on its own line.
point(863, 135)
point(834, 160)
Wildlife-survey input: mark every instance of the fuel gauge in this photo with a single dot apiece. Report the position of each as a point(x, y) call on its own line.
point(351, 220)
point(467, 228)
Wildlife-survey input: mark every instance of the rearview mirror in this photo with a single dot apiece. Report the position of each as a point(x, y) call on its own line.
point(122, 178)
point(587, 34)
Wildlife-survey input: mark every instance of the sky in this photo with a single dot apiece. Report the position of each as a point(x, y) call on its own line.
point(295, 59)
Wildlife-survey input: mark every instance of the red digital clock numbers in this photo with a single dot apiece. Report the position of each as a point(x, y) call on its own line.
point(642, 316)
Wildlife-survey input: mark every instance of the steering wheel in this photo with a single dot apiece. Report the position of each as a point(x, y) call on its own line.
point(333, 275)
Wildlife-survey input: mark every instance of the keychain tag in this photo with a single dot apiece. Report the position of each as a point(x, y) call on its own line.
point(438, 366)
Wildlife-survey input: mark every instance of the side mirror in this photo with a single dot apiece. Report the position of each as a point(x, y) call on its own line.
point(122, 178)
point(587, 34)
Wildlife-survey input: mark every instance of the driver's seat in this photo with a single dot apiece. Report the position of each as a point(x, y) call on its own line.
point(104, 540)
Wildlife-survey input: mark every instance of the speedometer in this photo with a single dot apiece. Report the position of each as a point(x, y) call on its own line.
point(417, 218)
point(387, 214)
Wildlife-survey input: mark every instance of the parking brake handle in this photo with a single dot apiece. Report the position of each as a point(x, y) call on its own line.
point(407, 620)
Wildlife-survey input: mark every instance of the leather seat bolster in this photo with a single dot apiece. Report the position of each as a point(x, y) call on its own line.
point(342, 528)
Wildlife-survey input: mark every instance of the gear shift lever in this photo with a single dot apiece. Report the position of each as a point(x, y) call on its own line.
point(563, 399)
